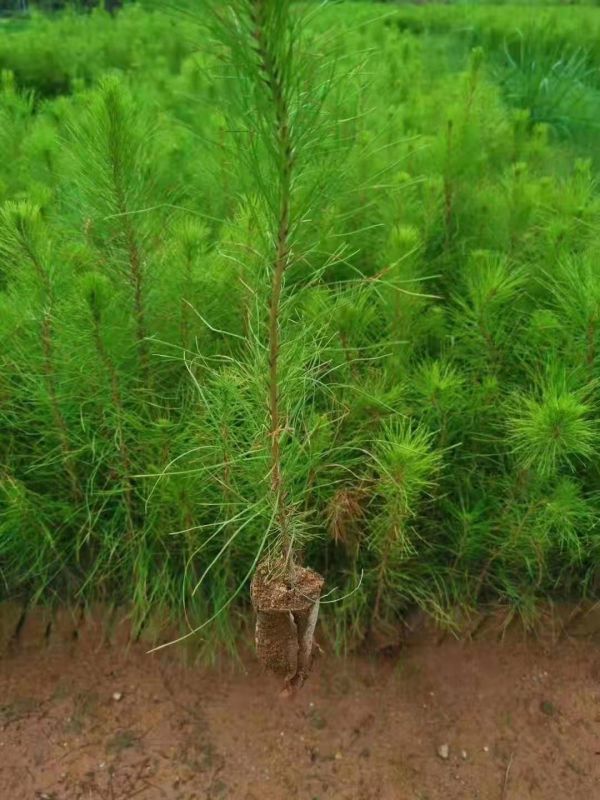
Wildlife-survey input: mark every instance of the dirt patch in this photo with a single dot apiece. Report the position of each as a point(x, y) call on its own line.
point(475, 721)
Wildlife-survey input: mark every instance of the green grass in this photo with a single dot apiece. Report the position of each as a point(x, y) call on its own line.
point(439, 321)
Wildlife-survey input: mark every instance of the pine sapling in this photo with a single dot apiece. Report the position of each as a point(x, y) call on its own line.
point(111, 160)
point(23, 240)
point(96, 290)
point(407, 467)
point(277, 105)
point(287, 605)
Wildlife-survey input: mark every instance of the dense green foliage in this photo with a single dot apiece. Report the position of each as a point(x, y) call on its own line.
point(440, 331)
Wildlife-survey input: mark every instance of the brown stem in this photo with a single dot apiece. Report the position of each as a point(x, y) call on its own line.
point(348, 356)
point(497, 552)
point(274, 349)
point(470, 97)
point(57, 415)
point(136, 277)
point(272, 76)
point(383, 565)
point(381, 580)
point(489, 341)
point(185, 306)
point(591, 342)
point(47, 339)
point(448, 188)
point(134, 257)
point(118, 404)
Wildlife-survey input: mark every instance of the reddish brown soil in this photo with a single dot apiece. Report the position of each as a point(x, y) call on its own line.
point(527, 717)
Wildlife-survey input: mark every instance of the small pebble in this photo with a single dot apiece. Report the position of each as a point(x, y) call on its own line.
point(117, 696)
point(486, 749)
point(443, 751)
point(338, 756)
point(463, 754)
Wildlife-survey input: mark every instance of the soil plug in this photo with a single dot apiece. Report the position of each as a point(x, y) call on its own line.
point(287, 608)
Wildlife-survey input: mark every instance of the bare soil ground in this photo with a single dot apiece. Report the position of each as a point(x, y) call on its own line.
point(80, 720)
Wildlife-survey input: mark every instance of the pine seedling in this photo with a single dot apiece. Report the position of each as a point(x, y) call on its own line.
point(26, 255)
point(188, 244)
point(31, 553)
point(112, 158)
point(439, 387)
point(576, 297)
point(403, 289)
point(406, 469)
point(276, 106)
point(96, 292)
point(486, 310)
point(554, 429)
point(16, 110)
point(457, 134)
point(267, 43)
point(474, 76)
